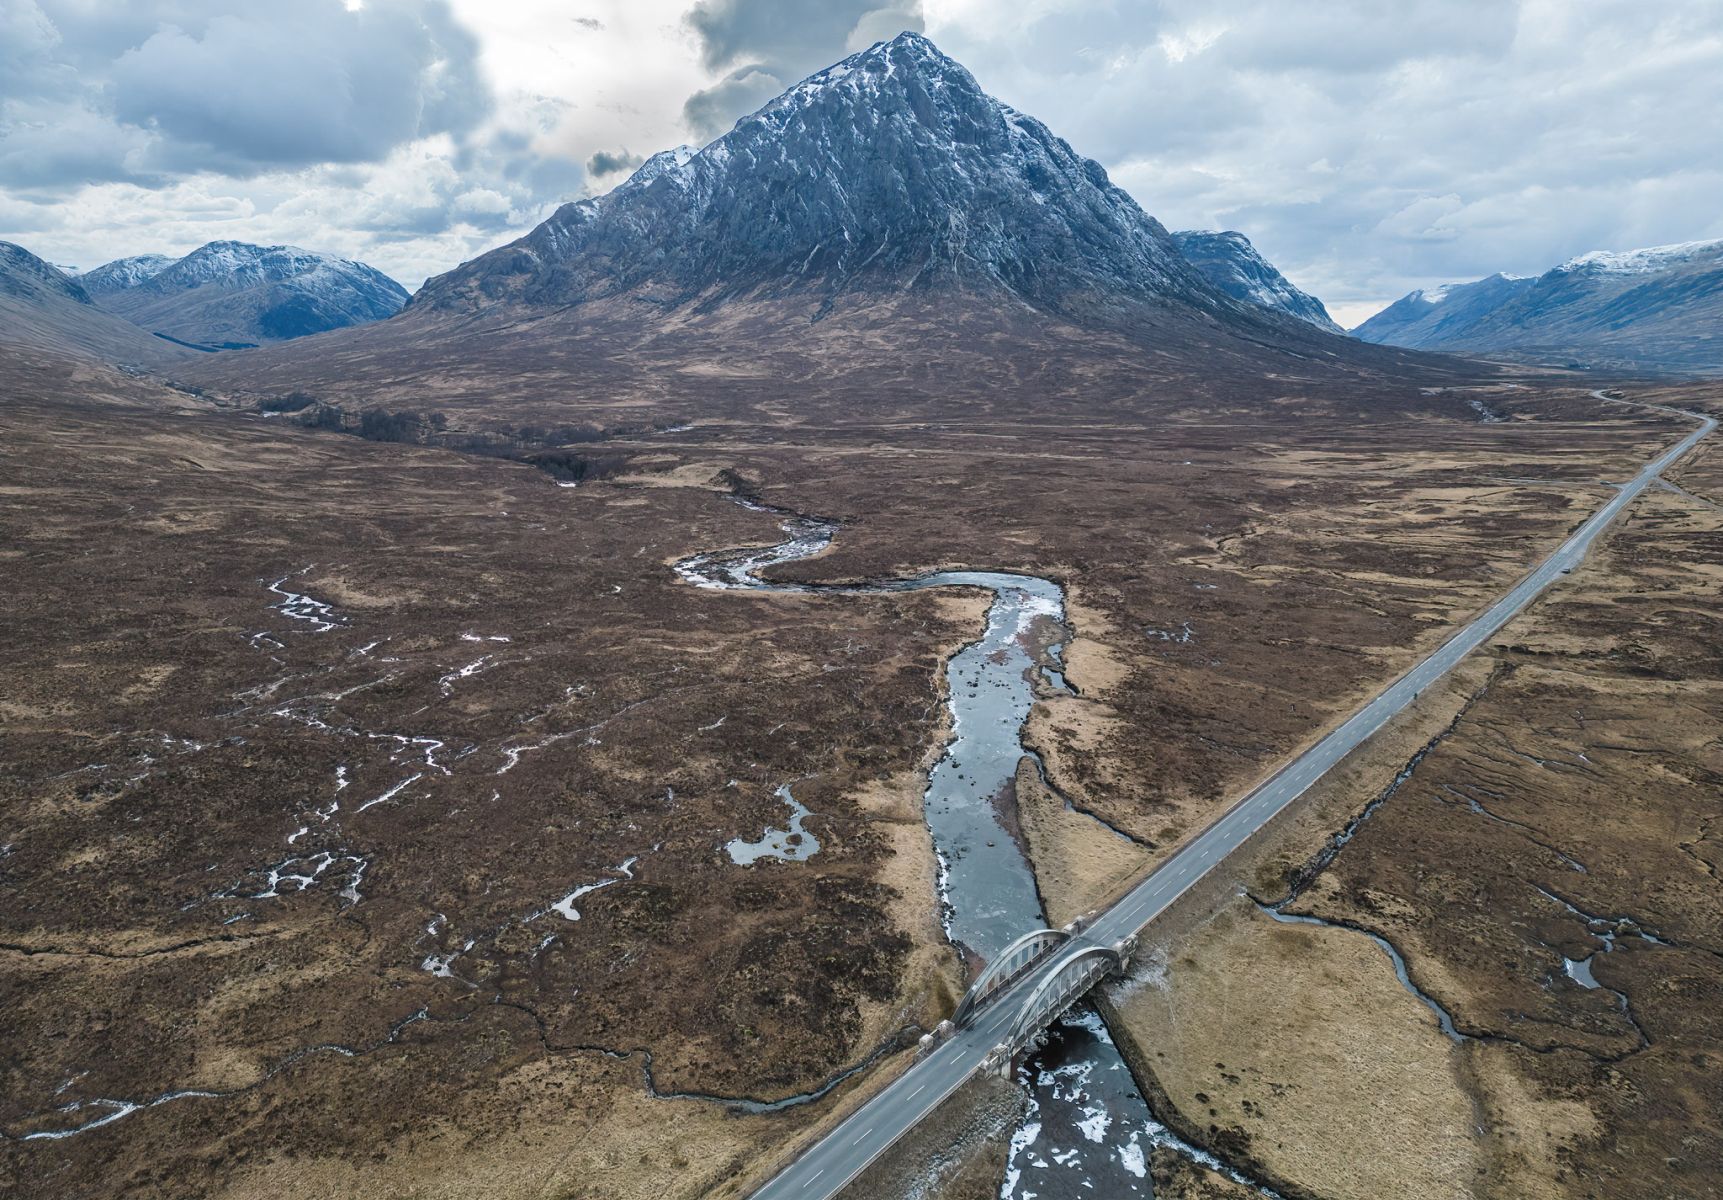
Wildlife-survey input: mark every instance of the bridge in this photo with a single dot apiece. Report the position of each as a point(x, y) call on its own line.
point(1007, 967)
point(1079, 968)
point(1043, 973)
point(1058, 985)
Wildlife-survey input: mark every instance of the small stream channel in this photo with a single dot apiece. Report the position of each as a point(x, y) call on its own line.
point(1089, 1130)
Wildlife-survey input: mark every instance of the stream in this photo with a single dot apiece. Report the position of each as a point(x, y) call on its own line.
point(1088, 1129)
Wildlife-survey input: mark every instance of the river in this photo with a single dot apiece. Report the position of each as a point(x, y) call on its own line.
point(1088, 1130)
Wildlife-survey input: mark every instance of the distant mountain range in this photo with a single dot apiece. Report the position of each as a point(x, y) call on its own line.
point(222, 296)
point(1658, 309)
point(1229, 261)
point(232, 295)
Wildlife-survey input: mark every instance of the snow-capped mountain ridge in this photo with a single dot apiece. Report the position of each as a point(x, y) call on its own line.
point(123, 273)
point(1659, 308)
point(1442, 291)
point(229, 294)
point(236, 265)
point(1646, 260)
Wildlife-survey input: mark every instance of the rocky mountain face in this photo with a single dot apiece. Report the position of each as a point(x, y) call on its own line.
point(42, 309)
point(1229, 261)
point(123, 273)
point(891, 171)
point(1657, 309)
point(231, 295)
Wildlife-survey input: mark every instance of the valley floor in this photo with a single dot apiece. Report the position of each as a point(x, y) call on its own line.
point(381, 792)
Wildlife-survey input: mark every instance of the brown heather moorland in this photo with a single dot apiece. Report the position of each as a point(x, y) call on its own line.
point(401, 1009)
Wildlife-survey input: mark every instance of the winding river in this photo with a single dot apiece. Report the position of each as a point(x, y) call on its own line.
point(1088, 1131)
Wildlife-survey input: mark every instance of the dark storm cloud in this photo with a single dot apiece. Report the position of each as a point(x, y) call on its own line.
point(231, 87)
point(606, 162)
point(713, 110)
point(767, 44)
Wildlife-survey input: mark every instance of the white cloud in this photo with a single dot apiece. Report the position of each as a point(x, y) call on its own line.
point(1368, 148)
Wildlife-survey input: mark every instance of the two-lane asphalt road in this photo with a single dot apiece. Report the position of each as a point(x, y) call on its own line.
point(872, 1129)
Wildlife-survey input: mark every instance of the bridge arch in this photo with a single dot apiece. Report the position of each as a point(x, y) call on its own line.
point(1007, 966)
point(1073, 975)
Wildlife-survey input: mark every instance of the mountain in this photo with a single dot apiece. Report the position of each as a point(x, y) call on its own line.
point(1437, 318)
point(24, 277)
point(41, 309)
point(1658, 309)
point(883, 227)
point(891, 170)
point(1229, 261)
point(229, 295)
point(123, 273)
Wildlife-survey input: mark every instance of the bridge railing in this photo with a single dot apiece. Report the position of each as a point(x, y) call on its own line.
point(1007, 967)
point(1075, 974)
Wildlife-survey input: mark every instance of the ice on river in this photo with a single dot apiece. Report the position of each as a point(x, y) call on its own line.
point(1087, 1123)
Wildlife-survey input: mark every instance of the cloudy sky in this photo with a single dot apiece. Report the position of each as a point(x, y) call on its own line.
point(1367, 147)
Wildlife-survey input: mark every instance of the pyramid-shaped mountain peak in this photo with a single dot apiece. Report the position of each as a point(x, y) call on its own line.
point(890, 171)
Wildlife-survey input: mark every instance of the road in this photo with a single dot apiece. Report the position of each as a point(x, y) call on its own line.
point(871, 1130)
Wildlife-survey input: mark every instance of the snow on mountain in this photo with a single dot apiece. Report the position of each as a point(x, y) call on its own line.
point(226, 295)
point(889, 172)
point(123, 273)
point(1657, 309)
point(882, 226)
point(1230, 262)
point(1646, 261)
